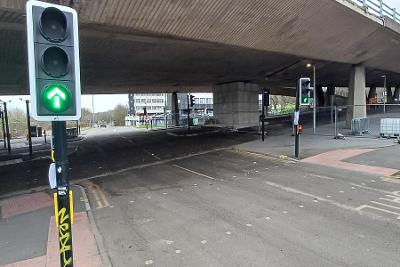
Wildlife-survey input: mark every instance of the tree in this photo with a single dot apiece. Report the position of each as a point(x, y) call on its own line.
point(86, 117)
point(118, 115)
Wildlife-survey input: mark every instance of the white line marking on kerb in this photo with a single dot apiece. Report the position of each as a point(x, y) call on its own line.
point(194, 172)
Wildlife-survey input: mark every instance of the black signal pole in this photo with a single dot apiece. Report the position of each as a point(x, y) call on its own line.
point(188, 110)
point(3, 128)
point(63, 213)
point(7, 128)
point(296, 118)
point(28, 122)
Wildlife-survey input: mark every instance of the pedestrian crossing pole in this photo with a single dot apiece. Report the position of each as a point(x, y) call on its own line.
point(64, 205)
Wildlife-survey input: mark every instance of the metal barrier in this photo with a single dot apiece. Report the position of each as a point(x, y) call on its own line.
point(173, 120)
point(378, 8)
point(337, 120)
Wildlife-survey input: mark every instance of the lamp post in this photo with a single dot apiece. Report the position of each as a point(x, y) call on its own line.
point(309, 65)
point(384, 88)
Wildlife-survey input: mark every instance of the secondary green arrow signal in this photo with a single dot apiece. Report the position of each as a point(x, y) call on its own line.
point(56, 98)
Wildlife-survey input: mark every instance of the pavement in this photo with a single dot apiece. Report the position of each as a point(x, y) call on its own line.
point(218, 199)
point(29, 236)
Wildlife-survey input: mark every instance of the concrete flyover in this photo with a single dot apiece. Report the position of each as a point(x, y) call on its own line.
point(177, 45)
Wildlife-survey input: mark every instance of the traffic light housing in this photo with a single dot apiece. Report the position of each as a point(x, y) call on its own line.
point(192, 101)
point(265, 98)
point(305, 91)
point(53, 56)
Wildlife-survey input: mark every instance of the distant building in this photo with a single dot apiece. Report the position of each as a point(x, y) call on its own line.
point(203, 103)
point(151, 104)
point(145, 106)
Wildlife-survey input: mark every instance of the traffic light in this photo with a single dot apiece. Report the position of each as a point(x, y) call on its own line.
point(53, 56)
point(192, 102)
point(265, 98)
point(305, 91)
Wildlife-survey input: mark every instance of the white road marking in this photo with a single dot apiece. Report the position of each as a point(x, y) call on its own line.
point(148, 262)
point(371, 188)
point(380, 209)
point(203, 242)
point(10, 162)
point(178, 251)
point(194, 172)
point(228, 232)
point(321, 177)
point(249, 225)
point(268, 218)
point(301, 206)
point(299, 192)
point(385, 205)
point(137, 167)
point(394, 199)
point(151, 154)
point(169, 242)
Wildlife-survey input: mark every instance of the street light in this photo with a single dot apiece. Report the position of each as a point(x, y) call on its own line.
point(309, 65)
point(384, 88)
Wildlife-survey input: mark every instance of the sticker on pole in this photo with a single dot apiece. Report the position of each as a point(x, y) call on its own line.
point(52, 176)
point(296, 117)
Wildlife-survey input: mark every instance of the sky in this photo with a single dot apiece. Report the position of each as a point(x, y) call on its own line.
point(393, 3)
point(101, 102)
point(108, 102)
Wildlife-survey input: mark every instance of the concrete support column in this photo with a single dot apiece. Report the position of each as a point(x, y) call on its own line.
point(371, 93)
point(330, 91)
point(175, 108)
point(396, 95)
point(357, 100)
point(389, 94)
point(320, 95)
point(236, 104)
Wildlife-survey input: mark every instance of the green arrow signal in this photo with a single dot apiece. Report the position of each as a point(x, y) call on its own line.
point(56, 98)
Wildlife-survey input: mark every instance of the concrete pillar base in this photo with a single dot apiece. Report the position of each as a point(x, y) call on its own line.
point(236, 104)
point(357, 95)
point(330, 91)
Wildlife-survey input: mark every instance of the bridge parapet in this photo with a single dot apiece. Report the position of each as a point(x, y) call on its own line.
point(378, 8)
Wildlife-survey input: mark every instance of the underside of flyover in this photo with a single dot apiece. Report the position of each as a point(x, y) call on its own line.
point(187, 45)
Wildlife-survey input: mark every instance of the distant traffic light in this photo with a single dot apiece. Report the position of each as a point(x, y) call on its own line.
point(265, 98)
point(192, 101)
point(305, 91)
point(53, 55)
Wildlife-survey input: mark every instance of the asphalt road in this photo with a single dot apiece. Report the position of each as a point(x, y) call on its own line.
point(228, 208)
point(111, 149)
point(167, 199)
